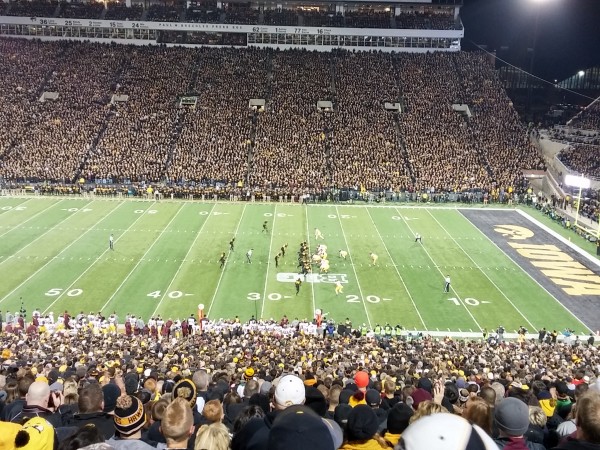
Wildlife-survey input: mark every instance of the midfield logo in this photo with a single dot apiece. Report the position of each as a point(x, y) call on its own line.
point(332, 278)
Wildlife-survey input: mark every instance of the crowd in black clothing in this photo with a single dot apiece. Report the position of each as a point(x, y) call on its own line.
point(208, 12)
point(291, 145)
point(118, 11)
point(241, 376)
point(582, 158)
point(32, 8)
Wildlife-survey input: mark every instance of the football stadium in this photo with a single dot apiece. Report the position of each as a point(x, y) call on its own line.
point(297, 225)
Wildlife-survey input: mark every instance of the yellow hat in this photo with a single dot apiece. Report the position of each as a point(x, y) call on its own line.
point(235, 359)
point(34, 370)
point(249, 373)
point(174, 369)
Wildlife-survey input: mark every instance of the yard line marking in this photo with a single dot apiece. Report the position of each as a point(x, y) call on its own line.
point(43, 234)
point(140, 260)
point(264, 299)
point(312, 285)
point(398, 272)
point(186, 255)
point(235, 233)
point(481, 269)
point(95, 261)
point(443, 275)
point(4, 211)
point(362, 298)
point(52, 259)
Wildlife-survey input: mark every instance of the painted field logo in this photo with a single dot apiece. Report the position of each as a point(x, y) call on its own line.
point(290, 277)
point(513, 231)
point(572, 276)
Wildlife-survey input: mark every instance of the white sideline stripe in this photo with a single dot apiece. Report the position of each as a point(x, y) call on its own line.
point(442, 274)
point(41, 235)
point(562, 239)
point(483, 271)
point(264, 299)
point(398, 272)
point(362, 298)
point(93, 263)
point(54, 257)
point(312, 285)
point(235, 233)
point(186, 255)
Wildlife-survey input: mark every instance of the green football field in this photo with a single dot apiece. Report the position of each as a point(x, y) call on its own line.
point(54, 254)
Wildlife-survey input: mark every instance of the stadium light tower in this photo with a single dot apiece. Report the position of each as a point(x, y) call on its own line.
point(581, 182)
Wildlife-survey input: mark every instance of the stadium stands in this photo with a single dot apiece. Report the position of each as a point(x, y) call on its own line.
point(359, 143)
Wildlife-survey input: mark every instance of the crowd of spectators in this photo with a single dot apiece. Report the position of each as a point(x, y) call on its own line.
point(291, 145)
point(208, 12)
point(422, 20)
point(282, 17)
point(368, 19)
point(203, 13)
point(241, 14)
point(78, 10)
point(163, 13)
point(589, 118)
point(32, 8)
point(582, 158)
point(119, 11)
point(289, 384)
point(138, 136)
point(215, 139)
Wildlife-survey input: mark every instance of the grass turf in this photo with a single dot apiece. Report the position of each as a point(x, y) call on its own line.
point(54, 255)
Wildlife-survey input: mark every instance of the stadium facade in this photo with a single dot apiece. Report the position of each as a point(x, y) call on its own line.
point(415, 26)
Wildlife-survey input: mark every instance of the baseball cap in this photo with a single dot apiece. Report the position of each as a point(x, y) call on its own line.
point(290, 391)
point(444, 431)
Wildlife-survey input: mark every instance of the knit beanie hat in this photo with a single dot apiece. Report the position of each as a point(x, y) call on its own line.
point(187, 389)
point(362, 423)
point(129, 415)
point(512, 416)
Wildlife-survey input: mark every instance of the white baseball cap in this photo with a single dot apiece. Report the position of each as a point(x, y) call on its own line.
point(445, 431)
point(290, 391)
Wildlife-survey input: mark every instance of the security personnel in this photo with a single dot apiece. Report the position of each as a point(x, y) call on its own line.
point(398, 331)
point(364, 330)
point(388, 330)
point(377, 330)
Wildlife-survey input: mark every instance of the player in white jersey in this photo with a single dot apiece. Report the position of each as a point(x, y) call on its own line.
point(343, 254)
point(374, 258)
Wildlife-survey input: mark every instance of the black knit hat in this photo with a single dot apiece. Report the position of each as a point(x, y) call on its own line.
point(129, 415)
point(187, 389)
point(362, 423)
point(398, 418)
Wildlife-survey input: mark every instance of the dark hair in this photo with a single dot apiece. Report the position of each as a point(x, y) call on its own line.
point(86, 435)
point(248, 413)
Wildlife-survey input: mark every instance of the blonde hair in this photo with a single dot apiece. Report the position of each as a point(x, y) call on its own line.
point(214, 437)
point(537, 416)
point(427, 408)
point(177, 420)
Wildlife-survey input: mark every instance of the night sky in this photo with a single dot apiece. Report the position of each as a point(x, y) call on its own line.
point(568, 33)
